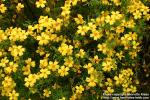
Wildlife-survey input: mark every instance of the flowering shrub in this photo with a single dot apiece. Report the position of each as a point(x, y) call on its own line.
point(70, 49)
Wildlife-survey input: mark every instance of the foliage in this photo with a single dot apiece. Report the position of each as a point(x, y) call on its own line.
point(72, 49)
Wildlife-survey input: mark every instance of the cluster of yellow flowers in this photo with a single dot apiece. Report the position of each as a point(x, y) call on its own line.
point(78, 90)
point(64, 49)
point(8, 86)
point(16, 34)
point(16, 50)
point(137, 8)
point(30, 80)
point(125, 80)
point(92, 80)
point(109, 86)
point(115, 16)
point(26, 69)
point(130, 41)
point(98, 47)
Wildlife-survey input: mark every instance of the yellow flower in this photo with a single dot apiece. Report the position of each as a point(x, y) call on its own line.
point(54, 37)
point(69, 62)
point(119, 79)
point(119, 29)
point(95, 59)
point(91, 81)
point(47, 9)
point(125, 85)
point(135, 44)
point(88, 66)
point(109, 82)
point(79, 89)
point(63, 71)
point(100, 20)
point(130, 23)
point(30, 62)
point(44, 63)
point(40, 3)
point(2, 8)
point(65, 10)
point(13, 95)
point(69, 50)
point(30, 80)
point(109, 90)
point(3, 36)
point(57, 24)
point(53, 65)
point(107, 66)
point(44, 73)
point(82, 30)
point(120, 55)
point(91, 70)
point(147, 17)
point(79, 19)
point(80, 54)
point(46, 92)
point(4, 62)
point(109, 20)
point(12, 67)
point(19, 6)
point(8, 70)
point(26, 70)
point(43, 39)
point(133, 54)
point(137, 14)
point(62, 49)
point(133, 35)
point(40, 50)
point(133, 89)
point(96, 34)
point(92, 26)
point(116, 15)
point(102, 47)
point(30, 30)
point(65, 49)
